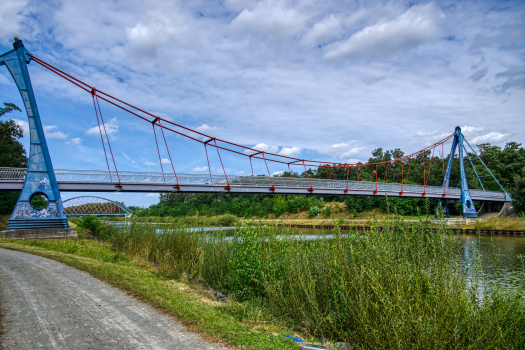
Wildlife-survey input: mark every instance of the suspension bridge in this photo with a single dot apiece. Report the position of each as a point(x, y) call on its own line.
point(41, 180)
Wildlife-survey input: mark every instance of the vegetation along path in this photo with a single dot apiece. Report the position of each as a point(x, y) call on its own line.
point(49, 305)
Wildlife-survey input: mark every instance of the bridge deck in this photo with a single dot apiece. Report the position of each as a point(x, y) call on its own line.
point(103, 181)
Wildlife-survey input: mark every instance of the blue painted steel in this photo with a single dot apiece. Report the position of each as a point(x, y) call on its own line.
point(473, 167)
point(507, 196)
point(443, 203)
point(40, 178)
point(468, 208)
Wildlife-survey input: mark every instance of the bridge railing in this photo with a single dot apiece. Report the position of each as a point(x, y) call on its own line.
point(136, 177)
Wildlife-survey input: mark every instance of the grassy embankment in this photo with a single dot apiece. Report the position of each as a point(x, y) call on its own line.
point(236, 324)
point(403, 287)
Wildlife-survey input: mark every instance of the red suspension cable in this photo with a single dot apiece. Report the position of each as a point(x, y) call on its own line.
point(308, 176)
point(169, 155)
point(268, 169)
point(209, 168)
point(224, 170)
point(101, 138)
point(107, 138)
point(158, 151)
point(386, 170)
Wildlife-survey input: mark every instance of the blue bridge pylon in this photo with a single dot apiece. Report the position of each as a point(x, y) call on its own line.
point(40, 182)
point(467, 206)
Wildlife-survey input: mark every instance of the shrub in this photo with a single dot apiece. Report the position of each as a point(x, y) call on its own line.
point(313, 211)
point(327, 212)
point(90, 222)
point(228, 220)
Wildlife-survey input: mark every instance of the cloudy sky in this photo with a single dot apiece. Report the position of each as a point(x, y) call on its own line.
point(325, 80)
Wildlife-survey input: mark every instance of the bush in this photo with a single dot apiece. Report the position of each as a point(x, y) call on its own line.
point(228, 220)
point(314, 211)
point(327, 212)
point(90, 222)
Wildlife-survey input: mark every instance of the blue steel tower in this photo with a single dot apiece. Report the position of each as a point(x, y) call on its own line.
point(467, 206)
point(40, 177)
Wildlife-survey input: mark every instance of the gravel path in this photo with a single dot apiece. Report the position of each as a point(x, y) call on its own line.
point(48, 305)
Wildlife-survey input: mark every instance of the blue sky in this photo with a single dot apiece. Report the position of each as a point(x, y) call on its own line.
point(326, 80)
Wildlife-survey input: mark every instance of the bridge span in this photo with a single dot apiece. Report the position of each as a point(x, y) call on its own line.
point(135, 181)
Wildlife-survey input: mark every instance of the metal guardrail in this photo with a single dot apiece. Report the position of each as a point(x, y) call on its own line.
point(136, 177)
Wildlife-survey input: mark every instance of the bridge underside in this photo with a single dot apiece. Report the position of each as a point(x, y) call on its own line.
point(102, 181)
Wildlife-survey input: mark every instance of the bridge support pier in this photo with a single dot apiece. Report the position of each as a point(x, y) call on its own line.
point(39, 205)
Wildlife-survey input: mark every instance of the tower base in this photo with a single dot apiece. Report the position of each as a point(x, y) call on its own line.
point(40, 233)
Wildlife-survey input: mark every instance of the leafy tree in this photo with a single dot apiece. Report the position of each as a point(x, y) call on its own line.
point(12, 154)
point(519, 192)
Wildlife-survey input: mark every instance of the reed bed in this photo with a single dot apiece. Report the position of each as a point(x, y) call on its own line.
point(398, 287)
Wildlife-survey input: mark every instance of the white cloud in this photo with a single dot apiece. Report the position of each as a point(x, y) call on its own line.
point(491, 137)
point(111, 128)
point(416, 26)
point(278, 173)
point(12, 15)
point(147, 163)
point(206, 129)
point(157, 28)
point(165, 161)
point(323, 31)
point(345, 149)
point(290, 151)
point(24, 125)
point(269, 19)
point(199, 168)
point(51, 132)
point(263, 148)
point(74, 141)
point(152, 195)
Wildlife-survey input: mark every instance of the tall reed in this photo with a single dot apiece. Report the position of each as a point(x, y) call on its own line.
point(398, 287)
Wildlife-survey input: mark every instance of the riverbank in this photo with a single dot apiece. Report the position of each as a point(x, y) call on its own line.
point(400, 287)
point(496, 226)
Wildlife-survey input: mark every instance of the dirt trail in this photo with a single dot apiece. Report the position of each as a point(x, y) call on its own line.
point(48, 305)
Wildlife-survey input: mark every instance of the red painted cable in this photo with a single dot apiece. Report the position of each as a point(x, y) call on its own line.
point(268, 169)
point(376, 178)
point(360, 169)
point(78, 83)
point(289, 172)
point(224, 170)
point(209, 168)
point(158, 151)
point(331, 169)
point(169, 155)
point(409, 166)
point(102, 138)
point(386, 170)
point(308, 176)
point(347, 175)
point(430, 167)
point(107, 138)
point(402, 177)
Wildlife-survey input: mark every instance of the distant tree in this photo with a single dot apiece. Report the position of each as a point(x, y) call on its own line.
point(518, 193)
point(12, 154)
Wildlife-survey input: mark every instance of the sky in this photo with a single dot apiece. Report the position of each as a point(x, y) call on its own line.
point(323, 80)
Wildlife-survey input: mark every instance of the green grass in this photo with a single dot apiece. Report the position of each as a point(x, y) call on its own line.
point(403, 286)
point(234, 324)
